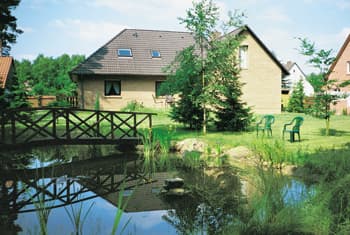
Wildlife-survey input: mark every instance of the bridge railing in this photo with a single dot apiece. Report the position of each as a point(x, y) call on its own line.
point(22, 126)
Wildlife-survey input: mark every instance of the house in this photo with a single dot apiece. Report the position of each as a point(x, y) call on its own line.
point(340, 72)
point(131, 67)
point(7, 71)
point(289, 82)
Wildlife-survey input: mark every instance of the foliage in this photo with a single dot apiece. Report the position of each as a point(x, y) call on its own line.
point(133, 106)
point(296, 101)
point(224, 85)
point(97, 102)
point(47, 75)
point(59, 103)
point(320, 59)
point(183, 79)
point(8, 25)
point(13, 96)
point(206, 74)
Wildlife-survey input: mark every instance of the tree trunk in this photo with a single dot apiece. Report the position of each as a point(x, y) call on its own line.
point(327, 125)
point(203, 84)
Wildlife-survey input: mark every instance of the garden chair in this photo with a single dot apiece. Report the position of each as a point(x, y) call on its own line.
point(265, 124)
point(293, 128)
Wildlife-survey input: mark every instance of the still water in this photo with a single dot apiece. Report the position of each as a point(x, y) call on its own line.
point(78, 190)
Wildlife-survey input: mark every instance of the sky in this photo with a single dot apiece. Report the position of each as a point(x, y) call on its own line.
point(55, 27)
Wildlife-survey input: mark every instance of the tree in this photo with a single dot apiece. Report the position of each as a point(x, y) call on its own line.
point(8, 25)
point(201, 20)
point(183, 80)
point(224, 86)
point(207, 72)
point(320, 59)
point(47, 75)
point(296, 101)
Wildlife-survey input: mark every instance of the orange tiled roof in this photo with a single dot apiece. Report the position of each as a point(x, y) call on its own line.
point(5, 67)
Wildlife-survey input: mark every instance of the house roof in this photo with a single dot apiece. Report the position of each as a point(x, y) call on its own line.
point(246, 28)
point(289, 65)
point(341, 51)
point(105, 60)
point(5, 68)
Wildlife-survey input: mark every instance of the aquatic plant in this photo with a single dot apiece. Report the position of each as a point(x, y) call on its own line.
point(121, 208)
point(77, 217)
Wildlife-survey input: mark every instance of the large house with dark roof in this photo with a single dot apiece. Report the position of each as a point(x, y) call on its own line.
point(131, 67)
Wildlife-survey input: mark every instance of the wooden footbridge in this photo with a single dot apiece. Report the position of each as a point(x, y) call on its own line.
point(71, 126)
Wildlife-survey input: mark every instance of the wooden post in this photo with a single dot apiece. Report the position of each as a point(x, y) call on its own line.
point(67, 125)
point(112, 125)
point(150, 120)
point(98, 123)
point(54, 132)
point(135, 131)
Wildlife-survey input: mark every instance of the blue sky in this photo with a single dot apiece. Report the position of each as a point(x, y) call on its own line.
point(54, 27)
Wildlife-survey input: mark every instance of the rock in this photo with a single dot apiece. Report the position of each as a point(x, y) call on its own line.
point(174, 183)
point(189, 145)
point(239, 153)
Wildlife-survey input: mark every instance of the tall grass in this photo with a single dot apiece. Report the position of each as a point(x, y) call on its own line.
point(271, 210)
point(77, 217)
point(121, 208)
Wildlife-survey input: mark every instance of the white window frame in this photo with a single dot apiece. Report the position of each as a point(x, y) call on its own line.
point(243, 56)
point(124, 49)
point(348, 67)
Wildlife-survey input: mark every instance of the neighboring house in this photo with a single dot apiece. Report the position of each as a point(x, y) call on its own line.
point(131, 67)
point(289, 82)
point(7, 71)
point(340, 72)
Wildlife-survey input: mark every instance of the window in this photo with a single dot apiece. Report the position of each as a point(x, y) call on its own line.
point(243, 56)
point(155, 54)
point(112, 88)
point(158, 91)
point(126, 52)
point(348, 67)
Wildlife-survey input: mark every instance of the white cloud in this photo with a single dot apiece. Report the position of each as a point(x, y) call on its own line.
point(30, 57)
point(88, 31)
point(27, 29)
point(343, 4)
point(275, 14)
point(157, 10)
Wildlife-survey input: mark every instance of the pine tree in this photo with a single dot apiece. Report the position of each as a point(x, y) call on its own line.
point(8, 25)
point(296, 101)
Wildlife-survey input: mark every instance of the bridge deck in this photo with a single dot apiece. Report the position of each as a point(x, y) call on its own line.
point(23, 127)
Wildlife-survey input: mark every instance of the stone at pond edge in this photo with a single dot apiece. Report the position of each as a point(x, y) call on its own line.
point(189, 145)
point(240, 153)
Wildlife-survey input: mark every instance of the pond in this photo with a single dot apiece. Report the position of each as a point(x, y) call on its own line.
point(85, 189)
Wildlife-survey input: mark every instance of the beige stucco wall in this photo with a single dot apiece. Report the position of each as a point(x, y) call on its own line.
point(339, 72)
point(140, 88)
point(262, 78)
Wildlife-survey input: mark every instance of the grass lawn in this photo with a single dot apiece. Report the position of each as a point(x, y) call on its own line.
point(312, 132)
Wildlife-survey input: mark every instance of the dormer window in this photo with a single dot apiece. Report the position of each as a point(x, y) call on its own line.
point(124, 52)
point(155, 53)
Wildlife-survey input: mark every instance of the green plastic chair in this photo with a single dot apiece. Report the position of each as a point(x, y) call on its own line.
point(293, 128)
point(265, 124)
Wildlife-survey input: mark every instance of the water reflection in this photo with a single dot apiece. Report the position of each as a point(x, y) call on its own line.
point(61, 182)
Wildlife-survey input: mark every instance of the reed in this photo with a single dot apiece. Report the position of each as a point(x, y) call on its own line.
point(121, 208)
point(77, 217)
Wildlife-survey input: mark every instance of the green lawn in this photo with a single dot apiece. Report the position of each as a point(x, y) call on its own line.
point(312, 132)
